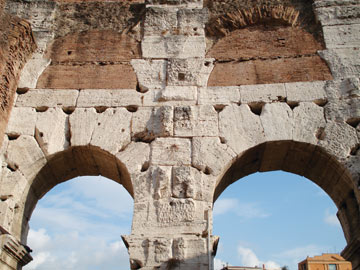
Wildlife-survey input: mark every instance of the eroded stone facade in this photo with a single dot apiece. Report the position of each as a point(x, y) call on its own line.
point(141, 93)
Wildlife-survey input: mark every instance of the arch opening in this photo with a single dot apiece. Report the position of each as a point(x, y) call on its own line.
point(305, 160)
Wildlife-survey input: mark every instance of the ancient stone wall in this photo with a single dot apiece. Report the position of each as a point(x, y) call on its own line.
point(176, 102)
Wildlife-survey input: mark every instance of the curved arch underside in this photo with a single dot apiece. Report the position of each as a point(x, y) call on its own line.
point(303, 159)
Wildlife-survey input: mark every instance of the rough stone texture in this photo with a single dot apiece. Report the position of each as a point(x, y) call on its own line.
point(176, 107)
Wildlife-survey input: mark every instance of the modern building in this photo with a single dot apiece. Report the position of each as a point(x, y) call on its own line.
point(242, 268)
point(326, 261)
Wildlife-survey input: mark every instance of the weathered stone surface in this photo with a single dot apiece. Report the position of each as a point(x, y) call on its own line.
point(161, 182)
point(32, 71)
point(342, 36)
point(177, 151)
point(52, 138)
point(138, 164)
point(306, 91)
point(178, 93)
point(112, 130)
point(22, 122)
point(38, 98)
point(277, 121)
point(151, 74)
point(195, 121)
point(218, 95)
point(82, 125)
point(335, 15)
point(262, 93)
point(240, 128)
point(209, 155)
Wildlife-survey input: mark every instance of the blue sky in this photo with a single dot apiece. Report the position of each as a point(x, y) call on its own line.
point(274, 218)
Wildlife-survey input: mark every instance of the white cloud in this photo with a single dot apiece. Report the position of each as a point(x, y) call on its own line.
point(38, 238)
point(219, 264)
point(249, 258)
point(241, 209)
point(331, 219)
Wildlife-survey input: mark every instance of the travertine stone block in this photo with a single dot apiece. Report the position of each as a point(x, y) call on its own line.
point(177, 211)
point(342, 36)
point(240, 128)
point(277, 121)
point(171, 151)
point(196, 121)
point(343, 111)
point(47, 98)
point(309, 121)
point(342, 89)
point(153, 98)
point(262, 93)
point(52, 138)
point(210, 155)
point(161, 181)
point(108, 98)
point(192, 21)
point(151, 74)
point(173, 47)
point(7, 211)
point(192, 71)
point(339, 139)
point(187, 182)
point(335, 15)
point(25, 155)
point(219, 95)
point(306, 91)
point(22, 121)
point(148, 123)
point(82, 126)
point(343, 62)
point(112, 130)
point(32, 71)
point(13, 184)
point(160, 20)
point(178, 93)
point(135, 149)
point(181, 3)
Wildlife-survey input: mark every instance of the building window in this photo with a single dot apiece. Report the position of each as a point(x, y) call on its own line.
point(332, 266)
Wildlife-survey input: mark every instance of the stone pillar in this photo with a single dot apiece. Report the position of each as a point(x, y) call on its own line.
point(172, 205)
point(351, 253)
point(12, 253)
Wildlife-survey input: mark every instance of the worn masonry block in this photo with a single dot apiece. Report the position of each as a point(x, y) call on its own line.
point(343, 110)
point(309, 121)
point(192, 71)
point(342, 36)
point(163, 249)
point(160, 21)
point(209, 155)
point(13, 184)
point(7, 211)
point(277, 120)
point(175, 211)
point(339, 139)
point(173, 47)
point(161, 182)
point(47, 98)
point(348, 13)
point(343, 62)
point(151, 74)
point(32, 71)
point(155, 97)
point(240, 128)
point(52, 138)
point(148, 123)
point(262, 93)
point(342, 89)
point(24, 154)
point(82, 125)
point(187, 182)
point(178, 93)
point(219, 95)
point(142, 153)
point(109, 98)
point(196, 121)
point(185, 3)
point(171, 151)
point(306, 91)
point(112, 130)
point(192, 21)
point(22, 121)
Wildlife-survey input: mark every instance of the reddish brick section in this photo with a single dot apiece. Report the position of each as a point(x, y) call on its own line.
point(91, 59)
point(267, 54)
point(16, 45)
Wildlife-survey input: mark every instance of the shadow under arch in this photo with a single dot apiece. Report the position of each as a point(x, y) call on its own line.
point(307, 160)
point(66, 165)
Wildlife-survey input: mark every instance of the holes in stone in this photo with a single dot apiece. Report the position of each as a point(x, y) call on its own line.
point(22, 90)
point(181, 76)
point(256, 107)
point(321, 102)
point(218, 108)
point(13, 136)
point(355, 150)
point(141, 90)
point(222, 140)
point(101, 109)
point(354, 122)
point(41, 109)
point(41, 134)
point(123, 130)
point(172, 203)
point(292, 104)
point(68, 110)
point(320, 134)
point(207, 170)
point(69, 52)
point(145, 166)
point(207, 64)
point(281, 99)
point(195, 29)
point(12, 167)
point(132, 108)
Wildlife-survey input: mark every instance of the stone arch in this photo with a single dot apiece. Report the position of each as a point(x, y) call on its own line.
point(63, 166)
point(311, 161)
point(269, 44)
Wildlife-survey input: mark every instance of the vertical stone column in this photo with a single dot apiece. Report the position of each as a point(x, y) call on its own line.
point(172, 212)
